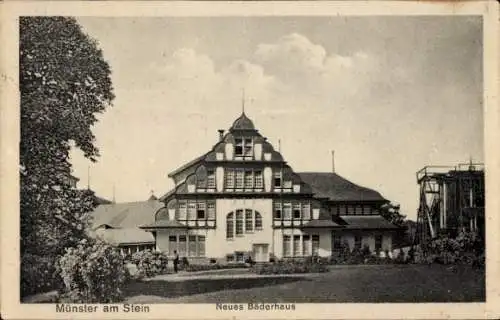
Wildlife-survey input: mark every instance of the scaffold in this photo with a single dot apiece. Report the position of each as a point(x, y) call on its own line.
point(451, 201)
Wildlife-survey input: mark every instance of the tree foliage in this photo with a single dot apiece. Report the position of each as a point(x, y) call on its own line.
point(391, 212)
point(64, 83)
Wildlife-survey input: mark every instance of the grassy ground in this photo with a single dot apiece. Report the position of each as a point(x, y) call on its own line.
point(368, 284)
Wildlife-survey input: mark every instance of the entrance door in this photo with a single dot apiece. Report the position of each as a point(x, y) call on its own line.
point(261, 252)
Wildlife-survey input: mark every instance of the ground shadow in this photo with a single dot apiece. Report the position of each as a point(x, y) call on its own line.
point(173, 289)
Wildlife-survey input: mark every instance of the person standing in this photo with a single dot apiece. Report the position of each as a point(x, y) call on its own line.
point(176, 261)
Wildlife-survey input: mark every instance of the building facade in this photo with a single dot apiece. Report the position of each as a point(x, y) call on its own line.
point(241, 199)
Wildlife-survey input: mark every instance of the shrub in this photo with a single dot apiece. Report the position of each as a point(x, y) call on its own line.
point(466, 248)
point(216, 266)
point(184, 263)
point(39, 274)
point(290, 267)
point(93, 273)
point(149, 263)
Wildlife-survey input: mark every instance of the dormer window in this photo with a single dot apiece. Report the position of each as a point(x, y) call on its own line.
point(243, 148)
point(238, 147)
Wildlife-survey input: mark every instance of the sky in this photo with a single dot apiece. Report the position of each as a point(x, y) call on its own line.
point(389, 94)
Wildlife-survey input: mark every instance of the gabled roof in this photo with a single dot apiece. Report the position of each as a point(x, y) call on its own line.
point(367, 222)
point(167, 195)
point(335, 188)
point(188, 165)
point(127, 236)
point(100, 200)
point(125, 215)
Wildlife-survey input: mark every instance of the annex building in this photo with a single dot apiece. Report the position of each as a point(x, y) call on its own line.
point(242, 198)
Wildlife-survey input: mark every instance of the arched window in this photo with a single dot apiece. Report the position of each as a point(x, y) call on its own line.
point(258, 221)
point(246, 221)
point(230, 226)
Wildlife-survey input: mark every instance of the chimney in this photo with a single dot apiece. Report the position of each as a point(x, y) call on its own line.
point(333, 161)
point(221, 134)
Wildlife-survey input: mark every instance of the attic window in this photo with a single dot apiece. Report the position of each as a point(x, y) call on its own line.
point(243, 147)
point(238, 149)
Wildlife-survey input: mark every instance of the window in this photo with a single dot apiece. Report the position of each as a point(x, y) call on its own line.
point(258, 221)
point(306, 245)
point(182, 211)
point(182, 245)
point(358, 210)
point(277, 179)
point(211, 179)
point(378, 243)
point(357, 242)
point(296, 210)
point(239, 179)
point(306, 211)
point(245, 221)
point(315, 245)
point(238, 147)
point(350, 210)
point(367, 210)
point(200, 213)
point(211, 210)
point(172, 244)
point(248, 147)
point(239, 222)
point(201, 246)
point(286, 246)
point(230, 226)
point(243, 147)
point(248, 220)
point(191, 210)
point(229, 181)
point(287, 209)
point(296, 245)
point(192, 246)
point(248, 179)
point(258, 179)
point(277, 210)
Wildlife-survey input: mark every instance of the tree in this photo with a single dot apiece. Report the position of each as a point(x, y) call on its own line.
point(390, 212)
point(64, 83)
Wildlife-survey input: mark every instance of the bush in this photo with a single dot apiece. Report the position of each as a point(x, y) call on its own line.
point(466, 248)
point(149, 263)
point(93, 273)
point(216, 266)
point(290, 267)
point(39, 275)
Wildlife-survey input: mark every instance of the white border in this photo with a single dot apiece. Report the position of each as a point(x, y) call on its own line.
point(9, 135)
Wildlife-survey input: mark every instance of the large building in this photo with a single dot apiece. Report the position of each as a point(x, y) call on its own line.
point(242, 198)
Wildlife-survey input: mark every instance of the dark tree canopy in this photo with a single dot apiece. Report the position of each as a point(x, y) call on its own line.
point(391, 212)
point(64, 83)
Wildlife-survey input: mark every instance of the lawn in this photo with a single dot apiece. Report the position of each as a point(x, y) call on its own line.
point(368, 284)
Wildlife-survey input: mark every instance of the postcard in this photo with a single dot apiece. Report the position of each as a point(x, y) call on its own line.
point(234, 160)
